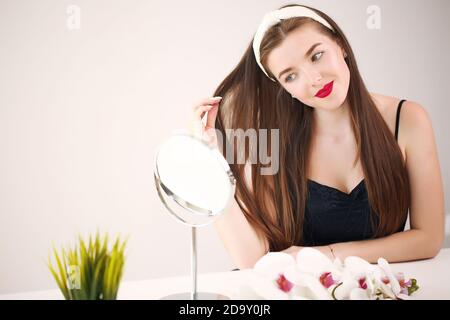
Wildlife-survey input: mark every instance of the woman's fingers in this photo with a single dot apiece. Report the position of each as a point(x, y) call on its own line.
point(200, 111)
point(196, 124)
point(210, 106)
point(212, 115)
point(208, 101)
point(211, 100)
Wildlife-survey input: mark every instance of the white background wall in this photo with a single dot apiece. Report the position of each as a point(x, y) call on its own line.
point(82, 111)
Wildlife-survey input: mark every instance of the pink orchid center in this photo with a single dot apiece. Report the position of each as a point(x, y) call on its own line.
point(362, 283)
point(326, 279)
point(401, 279)
point(284, 284)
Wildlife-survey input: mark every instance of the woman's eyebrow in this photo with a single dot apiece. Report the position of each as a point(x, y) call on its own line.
point(306, 55)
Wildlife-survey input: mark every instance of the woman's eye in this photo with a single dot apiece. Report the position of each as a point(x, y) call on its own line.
point(317, 56)
point(290, 77)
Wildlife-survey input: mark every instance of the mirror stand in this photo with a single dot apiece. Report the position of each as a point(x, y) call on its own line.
point(194, 295)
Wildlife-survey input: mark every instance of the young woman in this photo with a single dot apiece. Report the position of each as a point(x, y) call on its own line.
point(352, 164)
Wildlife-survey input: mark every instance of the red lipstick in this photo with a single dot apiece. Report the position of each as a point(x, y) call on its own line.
point(325, 91)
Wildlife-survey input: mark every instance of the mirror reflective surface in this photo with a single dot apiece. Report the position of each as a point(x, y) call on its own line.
point(193, 179)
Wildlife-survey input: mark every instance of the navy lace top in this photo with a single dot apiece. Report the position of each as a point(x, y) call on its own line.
point(333, 216)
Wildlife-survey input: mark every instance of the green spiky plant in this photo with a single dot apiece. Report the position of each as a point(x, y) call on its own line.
point(98, 271)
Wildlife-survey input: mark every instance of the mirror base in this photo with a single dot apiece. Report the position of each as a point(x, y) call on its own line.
point(199, 296)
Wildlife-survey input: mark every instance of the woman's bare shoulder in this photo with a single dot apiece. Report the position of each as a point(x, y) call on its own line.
point(411, 112)
point(413, 118)
point(387, 106)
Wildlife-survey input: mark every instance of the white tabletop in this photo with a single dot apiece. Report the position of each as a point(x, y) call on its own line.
point(432, 277)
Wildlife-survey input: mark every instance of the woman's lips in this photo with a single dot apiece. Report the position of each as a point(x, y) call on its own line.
point(325, 91)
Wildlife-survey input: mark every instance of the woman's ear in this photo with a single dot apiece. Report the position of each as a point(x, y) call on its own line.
point(344, 54)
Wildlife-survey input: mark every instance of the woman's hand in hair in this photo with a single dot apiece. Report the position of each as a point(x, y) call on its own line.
point(209, 106)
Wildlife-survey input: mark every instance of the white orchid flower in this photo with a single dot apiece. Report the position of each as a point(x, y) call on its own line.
point(268, 280)
point(273, 263)
point(329, 273)
point(384, 265)
point(314, 262)
point(307, 286)
point(354, 279)
point(377, 281)
point(276, 276)
point(312, 275)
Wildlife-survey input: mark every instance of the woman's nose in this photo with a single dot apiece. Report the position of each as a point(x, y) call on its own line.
point(314, 77)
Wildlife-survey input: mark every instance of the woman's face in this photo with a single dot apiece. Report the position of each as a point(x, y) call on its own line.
point(311, 67)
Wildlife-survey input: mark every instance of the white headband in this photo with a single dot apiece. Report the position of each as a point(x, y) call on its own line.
point(274, 17)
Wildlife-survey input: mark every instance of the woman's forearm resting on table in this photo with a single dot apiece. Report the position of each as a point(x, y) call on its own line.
point(402, 246)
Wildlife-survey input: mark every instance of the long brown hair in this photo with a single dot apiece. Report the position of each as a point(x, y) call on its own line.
point(252, 101)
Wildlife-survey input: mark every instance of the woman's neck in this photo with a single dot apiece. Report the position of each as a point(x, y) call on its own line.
point(333, 123)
